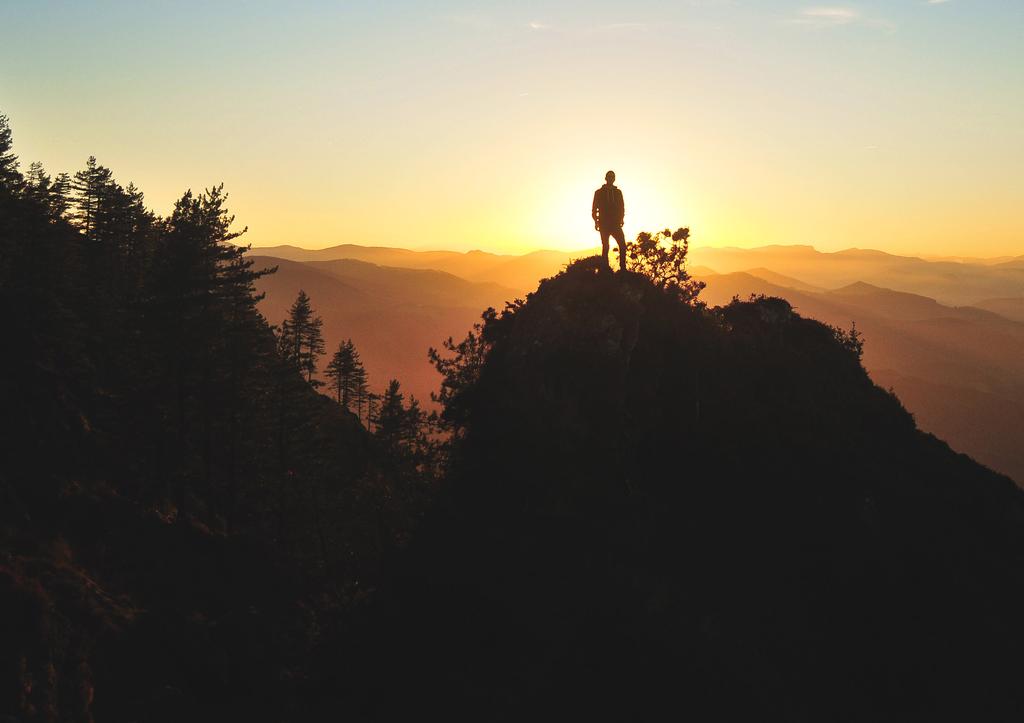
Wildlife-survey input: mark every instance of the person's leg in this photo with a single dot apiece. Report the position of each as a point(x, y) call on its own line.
point(604, 245)
point(620, 238)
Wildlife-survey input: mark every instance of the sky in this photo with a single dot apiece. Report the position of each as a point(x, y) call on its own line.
point(896, 125)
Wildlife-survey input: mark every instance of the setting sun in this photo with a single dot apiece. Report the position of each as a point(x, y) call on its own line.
point(891, 125)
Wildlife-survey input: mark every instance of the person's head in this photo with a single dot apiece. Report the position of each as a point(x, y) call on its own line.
point(610, 177)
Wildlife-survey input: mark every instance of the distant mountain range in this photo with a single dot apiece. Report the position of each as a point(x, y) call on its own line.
point(517, 272)
point(992, 284)
point(949, 341)
point(949, 282)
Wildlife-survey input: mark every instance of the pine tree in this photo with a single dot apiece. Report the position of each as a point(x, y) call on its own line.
point(460, 372)
point(9, 175)
point(403, 432)
point(38, 184)
point(415, 437)
point(347, 377)
point(398, 426)
point(200, 309)
point(339, 371)
point(88, 188)
point(50, 193)
point(360, 388)
point(302, 340)
point(60, 196)
point(391, 414)
point(372, 410)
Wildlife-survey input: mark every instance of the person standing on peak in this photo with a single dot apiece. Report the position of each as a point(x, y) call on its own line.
point(608, 212)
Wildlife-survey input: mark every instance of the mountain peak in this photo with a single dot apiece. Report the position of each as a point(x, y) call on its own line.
point(859, 287)
point(672, 476)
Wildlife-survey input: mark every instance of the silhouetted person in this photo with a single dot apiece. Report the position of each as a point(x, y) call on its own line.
point(608, 211)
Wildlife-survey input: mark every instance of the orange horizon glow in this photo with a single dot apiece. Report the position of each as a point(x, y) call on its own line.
point(459, 126)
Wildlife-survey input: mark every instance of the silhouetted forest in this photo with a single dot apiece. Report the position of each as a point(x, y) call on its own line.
point(182, 512)
point(632, 506)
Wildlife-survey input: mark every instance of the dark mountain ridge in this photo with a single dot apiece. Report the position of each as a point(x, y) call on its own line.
point(663, 511)
point(913, 344)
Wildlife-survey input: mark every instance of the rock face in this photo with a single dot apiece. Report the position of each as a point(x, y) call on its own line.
point(659, 509)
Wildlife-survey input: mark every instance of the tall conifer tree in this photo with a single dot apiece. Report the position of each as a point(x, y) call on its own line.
point(88, 187)
point(302, 340)
point(201, 308)
point(9, 175)
point(348, 376)
point(360, 388)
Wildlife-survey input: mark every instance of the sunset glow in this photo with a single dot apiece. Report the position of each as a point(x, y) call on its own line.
point(391, 360)
point(891, 125)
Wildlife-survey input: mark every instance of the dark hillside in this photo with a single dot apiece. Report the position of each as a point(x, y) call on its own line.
point(659, 511)
point(183, 516)
point(913, 342)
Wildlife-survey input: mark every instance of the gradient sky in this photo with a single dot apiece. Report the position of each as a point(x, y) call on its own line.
point(896, 125)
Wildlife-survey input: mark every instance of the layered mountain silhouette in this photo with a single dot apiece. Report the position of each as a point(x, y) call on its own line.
point(954, 283)
point(951, 282)
point(519, 272)
point(393, 308)
point(656, 511)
